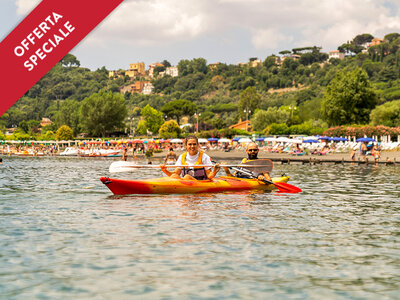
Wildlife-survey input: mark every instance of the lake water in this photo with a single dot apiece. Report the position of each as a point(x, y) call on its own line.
point(63, 235)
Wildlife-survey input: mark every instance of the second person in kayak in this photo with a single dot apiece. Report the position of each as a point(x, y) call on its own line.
point(192, 157)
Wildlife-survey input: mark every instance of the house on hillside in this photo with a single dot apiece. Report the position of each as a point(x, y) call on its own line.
point(152, 67)
point(244, 125)
point(136, 87)
point(45, 122)
point(148, 88)
point(336, 54)
point(136, 69)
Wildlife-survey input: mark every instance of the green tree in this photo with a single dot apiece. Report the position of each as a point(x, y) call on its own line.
point(70, 60)
point(262, 118)
point(23, 125)
point(64, 133)
point(48, 136)
point(178, 108)
point(387, 114)
point(153, 118)
point(249, 101)
point(69, 115)
point(170, 129)
point(141, 128)
point(103, 112)
point(349, 98)
point(277, 129)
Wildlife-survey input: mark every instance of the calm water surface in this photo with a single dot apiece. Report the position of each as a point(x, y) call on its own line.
point(63, 235)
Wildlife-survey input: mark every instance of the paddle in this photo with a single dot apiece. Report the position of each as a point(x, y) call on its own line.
point(281, 186)
point(123, 166)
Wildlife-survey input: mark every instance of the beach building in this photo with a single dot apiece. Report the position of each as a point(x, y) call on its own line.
point(244, 125)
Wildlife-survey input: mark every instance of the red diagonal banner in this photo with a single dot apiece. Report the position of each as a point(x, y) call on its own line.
point(42, 39)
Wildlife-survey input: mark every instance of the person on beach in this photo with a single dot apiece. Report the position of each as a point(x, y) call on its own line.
point(125, 154)
point(192, 157)
point(252, 154)
point(363, 150)
point(171, 157)
point(353, 155)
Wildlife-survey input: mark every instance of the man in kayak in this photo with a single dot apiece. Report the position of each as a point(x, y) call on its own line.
point(192, 157)
point(252, 154)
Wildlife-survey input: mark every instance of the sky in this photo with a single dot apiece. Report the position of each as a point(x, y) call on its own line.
point(226, 31)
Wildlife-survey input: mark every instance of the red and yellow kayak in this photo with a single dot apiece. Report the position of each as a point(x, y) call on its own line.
point(167, 185)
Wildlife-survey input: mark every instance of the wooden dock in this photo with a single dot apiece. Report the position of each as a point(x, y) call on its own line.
point(317, 160)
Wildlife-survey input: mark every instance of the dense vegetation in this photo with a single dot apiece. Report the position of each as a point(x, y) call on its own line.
point(304, 94)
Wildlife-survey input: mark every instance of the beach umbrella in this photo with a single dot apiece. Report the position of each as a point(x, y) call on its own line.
point(342, 139)
point(310, 141)
point(327, 138)
point(335, 139)
point(235, 139)
point(176, 141)
point(201, 140)
point(365, 139)
point(137, 142)
point(295, 141)
point(260, 139)
point(245, 140)
point(224, 140)
point(270, 139)
point(213, 139)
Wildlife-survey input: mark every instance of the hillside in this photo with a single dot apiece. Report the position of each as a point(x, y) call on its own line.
point(294, 81)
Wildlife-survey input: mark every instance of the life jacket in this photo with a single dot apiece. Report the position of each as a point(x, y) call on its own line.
point(198, 173)
point(242, 175)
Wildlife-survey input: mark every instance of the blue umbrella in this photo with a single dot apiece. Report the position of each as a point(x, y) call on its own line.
point(365, 139)
point(325, 138)
point(310, 141)
point(259, 139)
point(212, 139)
point(236, 139)
point(342, 139)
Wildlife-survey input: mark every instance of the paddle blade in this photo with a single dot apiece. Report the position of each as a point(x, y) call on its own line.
point(287, 188)
point(259, 166)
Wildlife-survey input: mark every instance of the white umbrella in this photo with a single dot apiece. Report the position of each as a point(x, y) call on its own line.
point(270, 139)
point(296, 141)
point(283, 139)
point(176, 141)
point(245, 140)
point(224, 140)
point(201, 140)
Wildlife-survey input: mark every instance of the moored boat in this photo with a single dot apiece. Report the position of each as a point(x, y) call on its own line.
point(167, 185)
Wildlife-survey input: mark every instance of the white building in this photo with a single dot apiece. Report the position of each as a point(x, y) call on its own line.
point(148, 89)
point(336, 54)
point(172, 71)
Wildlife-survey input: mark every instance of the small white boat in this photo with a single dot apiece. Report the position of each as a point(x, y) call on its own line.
point(69, 151)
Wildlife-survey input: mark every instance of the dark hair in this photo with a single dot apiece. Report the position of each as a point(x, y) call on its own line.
point(171, 149)
point(191, 137)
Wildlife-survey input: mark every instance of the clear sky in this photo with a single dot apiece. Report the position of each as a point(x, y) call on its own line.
point(228, 31)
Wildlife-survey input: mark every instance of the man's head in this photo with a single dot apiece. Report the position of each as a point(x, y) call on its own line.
point(252, 151)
